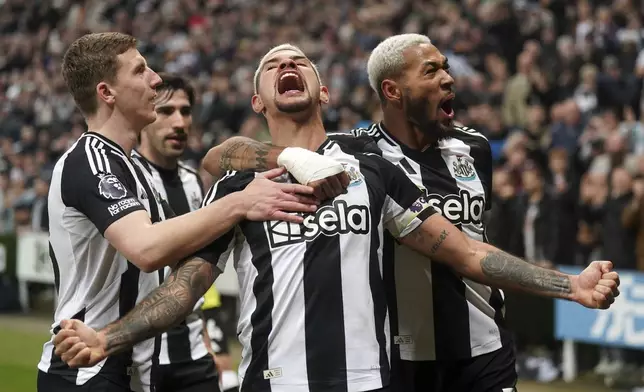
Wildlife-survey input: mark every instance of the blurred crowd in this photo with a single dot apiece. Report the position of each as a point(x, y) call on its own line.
point(555, 85)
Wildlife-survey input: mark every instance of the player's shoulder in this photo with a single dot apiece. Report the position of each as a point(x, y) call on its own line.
point(91, 155)
point(235, 180)
point(470, 136)
point(356, 141)
point(232, 181)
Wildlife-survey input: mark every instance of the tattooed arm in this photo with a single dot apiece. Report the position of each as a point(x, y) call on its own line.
point(170, 303)
point(443, 242)
point(325, 175)
point(241, 153)
point(165, 307)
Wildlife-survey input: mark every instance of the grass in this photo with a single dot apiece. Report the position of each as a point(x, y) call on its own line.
point(20, 355)
point(21, 340)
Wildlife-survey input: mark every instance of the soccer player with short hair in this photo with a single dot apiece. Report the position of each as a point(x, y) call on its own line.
point(186, 357)
point(106, 230)
point(313, 299)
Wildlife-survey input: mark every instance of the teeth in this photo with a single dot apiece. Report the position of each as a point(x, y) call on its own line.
point(288, 74)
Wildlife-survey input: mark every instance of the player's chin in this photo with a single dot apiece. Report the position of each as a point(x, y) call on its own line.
point(294, 104)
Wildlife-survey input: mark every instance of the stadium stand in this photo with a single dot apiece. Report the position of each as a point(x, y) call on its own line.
point(555, 86)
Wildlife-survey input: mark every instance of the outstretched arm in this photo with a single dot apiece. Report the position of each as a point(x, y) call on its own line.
point(325, 175)
point(166, 306)
point(596, 287)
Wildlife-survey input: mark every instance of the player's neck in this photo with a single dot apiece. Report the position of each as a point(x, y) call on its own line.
point(156, 158)
point(406, 132)
point(116, 128)
point(287, 132)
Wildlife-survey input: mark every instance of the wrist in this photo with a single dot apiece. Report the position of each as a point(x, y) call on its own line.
point(237, 205)
point(101, 336)
point(288, 156)
point(574, 289)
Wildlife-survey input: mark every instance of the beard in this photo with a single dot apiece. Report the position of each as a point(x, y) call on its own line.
point(416, 111)
point(300, 105)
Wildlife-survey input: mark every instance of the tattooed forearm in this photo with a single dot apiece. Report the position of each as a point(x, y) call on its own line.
point(425, 242)
point(504, 268)
point(439, 241)
point(164, 307)
point(246, 154)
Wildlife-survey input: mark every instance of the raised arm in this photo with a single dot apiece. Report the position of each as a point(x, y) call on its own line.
point(595, 287)
point(325, 175)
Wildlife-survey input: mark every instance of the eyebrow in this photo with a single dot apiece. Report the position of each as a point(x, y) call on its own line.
point(435, 64)
point(296, 57)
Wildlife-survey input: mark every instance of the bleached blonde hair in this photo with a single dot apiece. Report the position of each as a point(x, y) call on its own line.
point(276, 49)
point(387, 59)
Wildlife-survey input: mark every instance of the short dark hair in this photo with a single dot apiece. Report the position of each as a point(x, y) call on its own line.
point(173, 82)
point(90, 60)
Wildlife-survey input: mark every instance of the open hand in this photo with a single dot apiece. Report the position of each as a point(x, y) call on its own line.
point(265, 199)
point(79, 345)
point(597, 286)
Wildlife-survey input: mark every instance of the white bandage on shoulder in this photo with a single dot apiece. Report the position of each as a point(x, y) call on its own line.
point(308, 166)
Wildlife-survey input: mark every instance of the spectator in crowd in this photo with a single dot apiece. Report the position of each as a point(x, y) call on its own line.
point(554, 85)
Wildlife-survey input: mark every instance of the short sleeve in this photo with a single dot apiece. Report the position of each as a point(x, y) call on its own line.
point(405, 206)
point(219, 251)
point(103, 190)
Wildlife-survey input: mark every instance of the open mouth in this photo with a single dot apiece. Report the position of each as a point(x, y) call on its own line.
point(446, 106)
point(290, 82)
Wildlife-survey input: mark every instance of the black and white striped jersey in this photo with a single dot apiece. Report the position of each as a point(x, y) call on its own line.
point(182, 189)
point(313, 304)
point(439, 314)
point(93, 185)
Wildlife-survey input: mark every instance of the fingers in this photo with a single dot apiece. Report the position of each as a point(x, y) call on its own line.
point(614, 276)
point(64, 340)
point(285, 216)
point(292, 206)
point(70, 354)
point(295, 188)
point(336, 185)
point(344, 180)
point(306, 199)
point(606, 266)
point(601, 300)
point(273, 173)
point(604, 290)
point(83, 358)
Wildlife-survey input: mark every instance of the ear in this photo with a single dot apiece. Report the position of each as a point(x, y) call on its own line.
point(324, 95)
point(105, 93)
point(391, 91)
point(257, 104)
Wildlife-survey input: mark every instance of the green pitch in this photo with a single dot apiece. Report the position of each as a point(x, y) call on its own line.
point(20, 353)
point(21, 340)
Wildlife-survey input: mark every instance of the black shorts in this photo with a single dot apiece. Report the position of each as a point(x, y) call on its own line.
point(492, 372)
point(196, 376)
point(216, 332)
point(99, 383)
